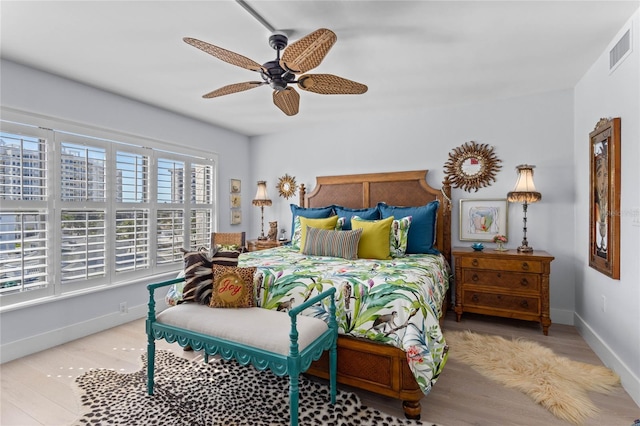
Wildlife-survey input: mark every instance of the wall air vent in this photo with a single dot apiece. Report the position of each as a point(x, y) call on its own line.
point(620, 51)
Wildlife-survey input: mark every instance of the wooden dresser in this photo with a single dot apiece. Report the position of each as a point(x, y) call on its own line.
point(503, 283)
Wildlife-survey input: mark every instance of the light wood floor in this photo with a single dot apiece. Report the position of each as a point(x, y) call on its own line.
point(39, 389)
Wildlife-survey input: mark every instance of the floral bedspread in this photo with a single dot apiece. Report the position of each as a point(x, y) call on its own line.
point(396, 301)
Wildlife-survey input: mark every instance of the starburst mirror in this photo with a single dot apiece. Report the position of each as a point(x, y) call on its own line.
point(472, 166)
point(287, 186)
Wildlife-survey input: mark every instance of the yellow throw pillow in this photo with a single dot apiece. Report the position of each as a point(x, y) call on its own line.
point(374, 242)
point(326, 223)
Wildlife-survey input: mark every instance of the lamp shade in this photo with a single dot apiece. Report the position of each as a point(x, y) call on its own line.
point(262, 198)
point(525, 190)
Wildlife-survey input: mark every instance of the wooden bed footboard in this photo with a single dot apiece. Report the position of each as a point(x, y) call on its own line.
point(374, 367)
point(364, 364)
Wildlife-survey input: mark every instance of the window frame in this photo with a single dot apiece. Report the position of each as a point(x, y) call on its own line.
point(55, 132)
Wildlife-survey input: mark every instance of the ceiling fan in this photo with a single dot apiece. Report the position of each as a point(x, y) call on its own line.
point(297, 58)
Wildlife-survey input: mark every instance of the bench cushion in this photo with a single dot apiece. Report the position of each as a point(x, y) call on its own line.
point(254, 327)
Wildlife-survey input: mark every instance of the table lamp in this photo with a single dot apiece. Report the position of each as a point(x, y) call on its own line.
point(525, 193)
point(262, 199)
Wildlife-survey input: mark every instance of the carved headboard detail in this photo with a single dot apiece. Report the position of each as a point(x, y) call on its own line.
point(408, 188)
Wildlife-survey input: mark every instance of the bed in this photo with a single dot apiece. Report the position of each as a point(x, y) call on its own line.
point(391, 342)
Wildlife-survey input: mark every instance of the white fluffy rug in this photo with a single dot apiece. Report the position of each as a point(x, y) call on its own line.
point(557, 383)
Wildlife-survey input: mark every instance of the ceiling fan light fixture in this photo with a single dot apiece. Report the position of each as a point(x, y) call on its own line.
point(278, 84)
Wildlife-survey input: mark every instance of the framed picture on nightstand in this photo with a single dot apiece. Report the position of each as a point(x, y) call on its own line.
point(481, 220)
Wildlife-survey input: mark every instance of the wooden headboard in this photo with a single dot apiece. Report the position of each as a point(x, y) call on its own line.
point(394, 188)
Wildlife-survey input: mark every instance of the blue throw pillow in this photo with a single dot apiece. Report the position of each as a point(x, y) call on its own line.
point(372, 213)
point(422, 232)
point(309, 212)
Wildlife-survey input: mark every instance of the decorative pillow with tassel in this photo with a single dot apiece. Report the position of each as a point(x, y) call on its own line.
point(233, 287)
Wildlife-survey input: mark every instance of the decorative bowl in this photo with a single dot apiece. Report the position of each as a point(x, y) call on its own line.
point(477, 246)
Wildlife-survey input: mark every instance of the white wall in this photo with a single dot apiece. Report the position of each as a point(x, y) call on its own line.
point(615, 332)
point(537, 130)
point(65, 318)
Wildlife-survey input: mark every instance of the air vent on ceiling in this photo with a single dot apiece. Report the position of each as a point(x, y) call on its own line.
point(620, 51)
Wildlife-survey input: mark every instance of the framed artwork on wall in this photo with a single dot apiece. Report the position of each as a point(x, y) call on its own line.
point(235, 186)
point(235, 201)
point(604, 197)
point(481, 220)
point(236, 217)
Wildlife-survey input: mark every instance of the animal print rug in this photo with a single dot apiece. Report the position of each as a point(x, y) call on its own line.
point(219, 393)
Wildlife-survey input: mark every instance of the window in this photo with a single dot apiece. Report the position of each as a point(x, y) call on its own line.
point(24, 205)
point(132, 240)
point(23, 251)
point(79, 211)
point(83, 248)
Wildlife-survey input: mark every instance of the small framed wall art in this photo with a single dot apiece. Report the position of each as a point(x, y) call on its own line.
point(235, 200)
point(604, 197)
point(481, 220)
point(236, 217)
point(235, 186)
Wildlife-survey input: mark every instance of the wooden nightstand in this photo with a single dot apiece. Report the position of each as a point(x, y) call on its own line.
point(254, 245)
point(505, 284)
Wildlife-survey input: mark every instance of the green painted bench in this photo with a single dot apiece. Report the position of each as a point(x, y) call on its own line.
point(286, 344)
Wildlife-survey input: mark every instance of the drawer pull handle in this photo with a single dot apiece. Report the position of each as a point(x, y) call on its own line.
point(524, 282)
point(499, 275)
point(474, 262)
point(524, 304)
point(475, 298)
point(474, 277)
point(525, 266)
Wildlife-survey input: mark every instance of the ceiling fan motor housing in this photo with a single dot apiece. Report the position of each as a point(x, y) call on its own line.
point(276, 76)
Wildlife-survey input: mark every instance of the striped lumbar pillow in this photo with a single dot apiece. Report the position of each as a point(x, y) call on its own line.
point(323, 242)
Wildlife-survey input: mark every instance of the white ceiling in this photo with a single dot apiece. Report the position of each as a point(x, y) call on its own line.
point(411, 54)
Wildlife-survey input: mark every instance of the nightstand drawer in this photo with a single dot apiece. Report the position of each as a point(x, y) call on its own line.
point(505, 280)
point(515, 265)
point(523, 304)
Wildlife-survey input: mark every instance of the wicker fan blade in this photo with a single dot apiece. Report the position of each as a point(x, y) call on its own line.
point(288, 100)
point(328, 84)
point(307, 53)
point(233, 88)
point(224, 55)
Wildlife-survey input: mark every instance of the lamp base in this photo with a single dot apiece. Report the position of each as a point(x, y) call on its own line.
point(262, 238)
point(525, 249)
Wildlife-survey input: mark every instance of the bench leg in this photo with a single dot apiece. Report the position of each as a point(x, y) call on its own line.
point(151, 358)
point(294, 389)
point(333, 371)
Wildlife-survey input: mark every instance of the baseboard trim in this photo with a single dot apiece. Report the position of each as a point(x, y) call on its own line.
point(561, 316)
point(630, 382)
point(20, 348)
